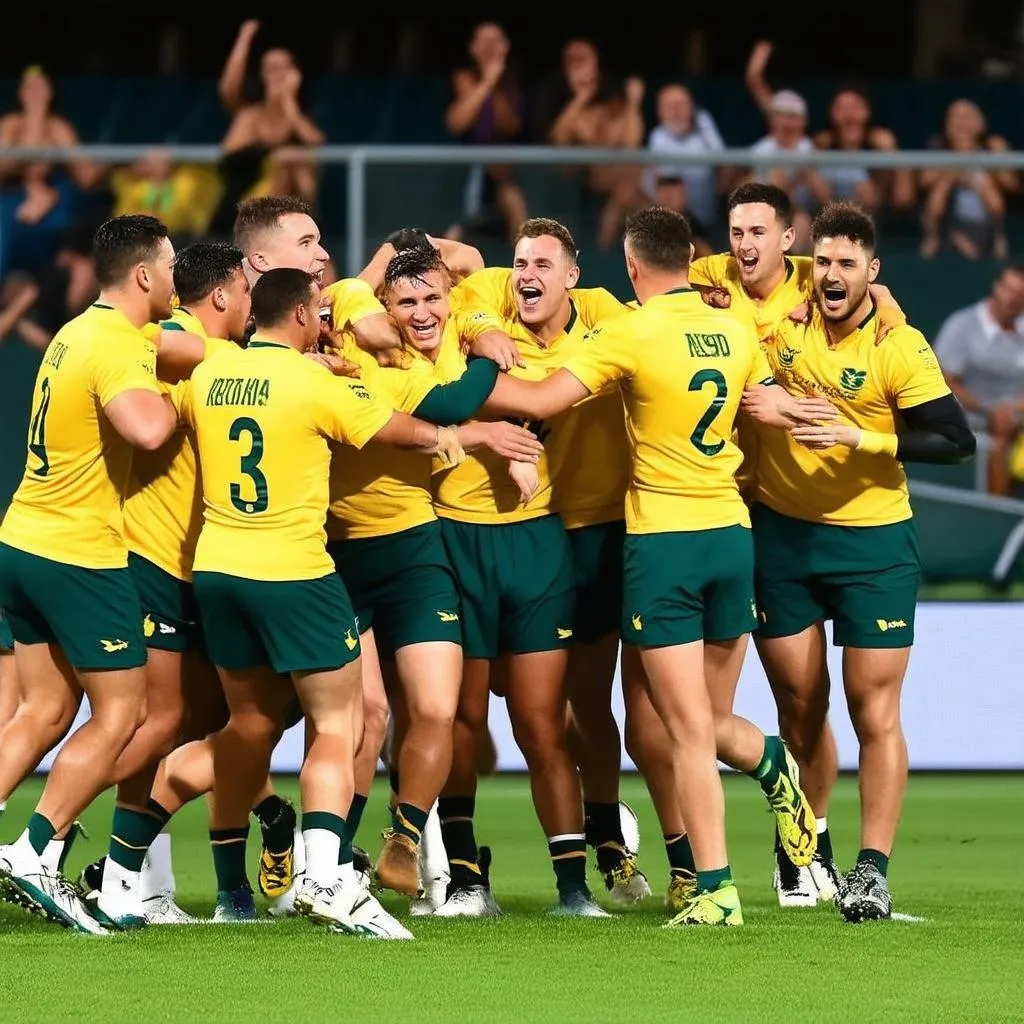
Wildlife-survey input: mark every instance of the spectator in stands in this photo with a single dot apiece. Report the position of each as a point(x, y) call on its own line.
point(265, 149)
point(37, 199)
point(851, 129)
point(488, 109)
point(602, 114)
point(682, 129)
point(981, 352)
point(786, 112)
point(181, 196)
point(966, 209)
point(37, 307)
point(673, 194)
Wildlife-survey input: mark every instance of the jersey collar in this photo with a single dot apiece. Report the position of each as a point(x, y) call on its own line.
point(259, 342)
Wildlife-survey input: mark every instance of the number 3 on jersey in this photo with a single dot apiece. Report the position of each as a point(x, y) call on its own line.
point(37, 430)
point(250, 462)
point(699, 436)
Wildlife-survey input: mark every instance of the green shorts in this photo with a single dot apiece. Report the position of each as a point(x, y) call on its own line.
point(402, 585)
point(516, 585)
point(864, 578)
point(597, 567)
point(291, 625)
point(93, 615)
point(6, 639)
point(687, 586)
point(170, 615)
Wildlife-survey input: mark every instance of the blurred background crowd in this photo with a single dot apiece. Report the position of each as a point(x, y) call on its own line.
point(269, 91)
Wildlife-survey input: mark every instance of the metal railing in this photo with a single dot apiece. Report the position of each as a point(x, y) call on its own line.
point(360, 157)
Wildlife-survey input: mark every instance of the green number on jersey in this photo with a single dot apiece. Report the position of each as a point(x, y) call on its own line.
point(697, 438)
point(250, 466)
point(37, 429)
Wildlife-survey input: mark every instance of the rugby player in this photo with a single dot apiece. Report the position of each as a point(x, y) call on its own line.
point(386, 542)
point(64, 583)
point(688, 589)
point(270, 601)
point(833, 532)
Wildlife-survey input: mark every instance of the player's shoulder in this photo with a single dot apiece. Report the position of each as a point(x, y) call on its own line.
point(714, 269)
point(903, 339)
point(346, 286)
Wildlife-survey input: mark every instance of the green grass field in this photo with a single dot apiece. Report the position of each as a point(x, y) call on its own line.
point(957, 866)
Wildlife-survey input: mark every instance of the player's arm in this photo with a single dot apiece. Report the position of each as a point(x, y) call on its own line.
point(178, 353)
point(766, 401)
point(460, 258)
point(123, 378)
point(459, 400)
point(536, 400)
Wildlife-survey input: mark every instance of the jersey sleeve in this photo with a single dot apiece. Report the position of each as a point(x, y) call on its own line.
point(472, 323)
point(607, 355)
point(181, 398)
point(401, 389)
point(347, 410)
point(702, 272)
point(352, 300)
point(597, 304)
point(487, 289)
point(913, 375)
point(127, 364)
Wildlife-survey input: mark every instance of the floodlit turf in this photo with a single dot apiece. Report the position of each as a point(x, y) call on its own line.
point(957, 866)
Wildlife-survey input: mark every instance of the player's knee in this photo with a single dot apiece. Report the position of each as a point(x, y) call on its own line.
point(50, 714)
point(375, 720)
point(539, 740)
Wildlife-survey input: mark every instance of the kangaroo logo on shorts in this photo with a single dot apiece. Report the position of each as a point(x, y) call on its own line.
point(887, 624)
point(638, 623)
point(113, 646)
point(350, 640)
point(447, 616)
point(148, 626)
point(851, 379)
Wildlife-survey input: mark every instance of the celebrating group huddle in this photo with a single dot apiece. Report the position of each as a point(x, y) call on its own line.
point(438, 480)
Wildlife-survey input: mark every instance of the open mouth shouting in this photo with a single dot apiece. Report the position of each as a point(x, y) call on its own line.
point(529, 296)
point(833, 297)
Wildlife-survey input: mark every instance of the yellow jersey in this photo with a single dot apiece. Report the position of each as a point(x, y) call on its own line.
point(381, 489)
point(682, 368)
point(164, 509)
point(868, 384)
point(585, 448)
point(263, 418)
point(722, 271)
point(68, 506)
point(351, 300)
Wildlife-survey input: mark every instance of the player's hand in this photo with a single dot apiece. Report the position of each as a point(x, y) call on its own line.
point(526, 478)
point(802, 313)
point(338, 365)
point(890, 315)
point(511, 441)
point(393, 358)
point(449, 449)
point(760, 55)
point(497, 345)
point(827, 435)
point(775, 407)
point(717, 298)
point(248, 29)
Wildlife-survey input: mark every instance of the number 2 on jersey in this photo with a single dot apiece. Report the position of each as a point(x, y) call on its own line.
point(699, 436)
point(37, 429)
point(250, 463)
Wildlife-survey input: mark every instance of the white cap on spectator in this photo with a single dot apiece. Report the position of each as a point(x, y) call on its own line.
point(786, 101)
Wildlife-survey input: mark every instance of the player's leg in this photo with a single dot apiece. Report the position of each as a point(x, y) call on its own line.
point(650, 749)
point(535, 576)
point(874, 624)
point(8, 674)
point(370, 740)
point(471, 558)
point(791, 644)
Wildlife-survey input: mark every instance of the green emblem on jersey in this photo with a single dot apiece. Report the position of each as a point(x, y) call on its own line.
point(787, 355)
point(852, 380)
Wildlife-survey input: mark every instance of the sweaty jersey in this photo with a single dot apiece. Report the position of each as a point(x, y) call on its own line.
point(164, 510)
point(381, 489)
point(868, 384)
point(68, 506)
point(351, 300)
point(585, 453)
point(681, 368)
point(263, 418)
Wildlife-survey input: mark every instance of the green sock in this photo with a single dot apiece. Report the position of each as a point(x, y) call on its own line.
point(354, 816)
point(680, 854)
point(409, 820)
point(69, 840)
point(40, 832)
point(456, 814)
point(876, 857)
point(772, 763)
point(569, 859)
point(277, 823)
point(132, 834)
point(709, 881)
point(228, 846)
point(825, 844)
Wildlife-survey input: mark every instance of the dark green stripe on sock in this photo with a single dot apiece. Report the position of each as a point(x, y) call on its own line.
point(40, 832)
point(354, 817)
point(131, 836)
point(228, 845)
point(569, 859)
point(158, 812)
point(409, 820)
point(709, 881)
point(393, 781)
point(876, 857)
point(456, 814)
point(680, 853)
point(324, 820)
